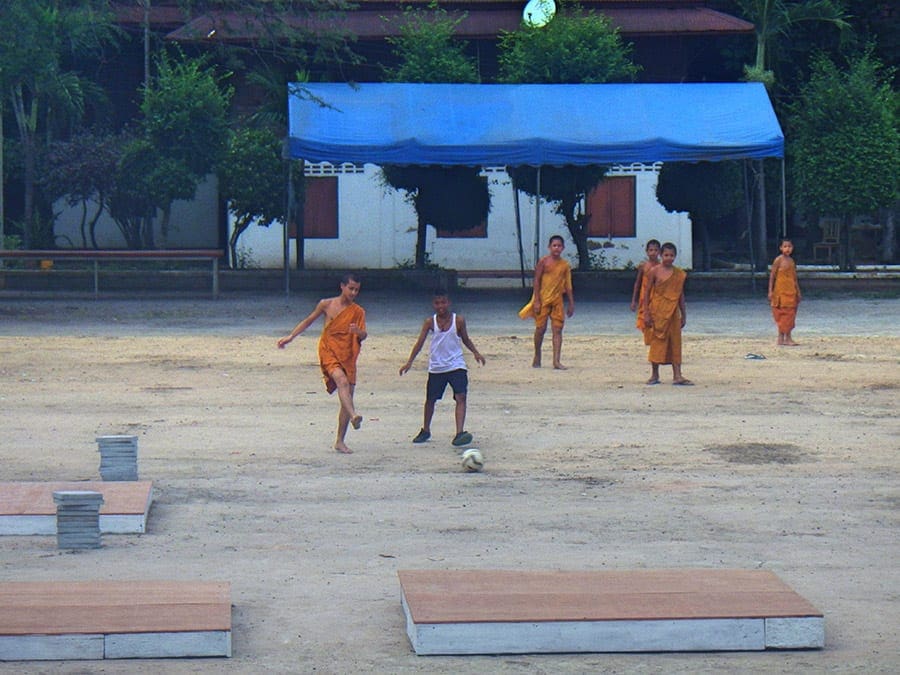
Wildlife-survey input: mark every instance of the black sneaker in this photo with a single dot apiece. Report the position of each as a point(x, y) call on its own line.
point(462, 438)
point(422, 436)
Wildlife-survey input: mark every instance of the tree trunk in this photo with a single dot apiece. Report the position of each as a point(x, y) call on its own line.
point(706, 261)
point(845, 249)
point(760, 214)
point(421, 238)
point(888, 234)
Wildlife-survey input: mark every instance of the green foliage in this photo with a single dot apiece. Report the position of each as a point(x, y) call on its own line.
point(845, 144)
point(451, 198)
point(705, 190)
point(581, 47)
point(427, 51)
point(185, 112)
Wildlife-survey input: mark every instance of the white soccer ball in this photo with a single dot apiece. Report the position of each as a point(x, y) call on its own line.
point(472, 460)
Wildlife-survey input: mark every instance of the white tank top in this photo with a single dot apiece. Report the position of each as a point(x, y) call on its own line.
point(446, 352)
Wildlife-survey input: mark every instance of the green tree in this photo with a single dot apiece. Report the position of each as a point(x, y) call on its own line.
point(185, 125)
point(42, 45)
point(705, 190)
point(581, 47)
point(452, 198)
point(845, 144)
point(251, 179)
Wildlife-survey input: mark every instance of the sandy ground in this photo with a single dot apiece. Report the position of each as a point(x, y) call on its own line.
point(788, 463)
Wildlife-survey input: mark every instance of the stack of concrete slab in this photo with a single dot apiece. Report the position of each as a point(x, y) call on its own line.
point(28, 508)
point(518, 612)
point(118, 457)
point(77, 519)
point(134, 619)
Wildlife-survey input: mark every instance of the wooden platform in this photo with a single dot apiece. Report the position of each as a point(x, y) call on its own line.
point(28, 507)
point(114, 620)
point(512, 612)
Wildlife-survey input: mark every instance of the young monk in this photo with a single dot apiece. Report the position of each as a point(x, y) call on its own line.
point(339, 345)
point(784, 293)
point(552, 283)
point(640, 283)
point(665, 314)
point(446, 365)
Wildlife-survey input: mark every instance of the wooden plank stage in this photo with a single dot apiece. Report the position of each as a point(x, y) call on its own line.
point(28, 508)
point(522, 612)
point(114, 620)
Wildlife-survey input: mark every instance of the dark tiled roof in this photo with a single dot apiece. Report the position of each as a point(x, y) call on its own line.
point(368, 24)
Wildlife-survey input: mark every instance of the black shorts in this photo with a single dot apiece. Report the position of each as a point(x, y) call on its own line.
point(437, 383)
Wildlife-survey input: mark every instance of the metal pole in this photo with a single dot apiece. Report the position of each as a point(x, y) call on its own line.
point(783, 201)
point(537, 217)
point(286, 240)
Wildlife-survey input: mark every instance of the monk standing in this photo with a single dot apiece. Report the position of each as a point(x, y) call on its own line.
point(665, 314)
point(552, 283)
point(784, 293)
point(339, 345)
point(640, 285)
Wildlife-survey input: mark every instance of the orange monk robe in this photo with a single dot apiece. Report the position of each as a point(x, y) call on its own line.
point(338, 347)
point(555, 281)
point(665, 334)
point(784, 298)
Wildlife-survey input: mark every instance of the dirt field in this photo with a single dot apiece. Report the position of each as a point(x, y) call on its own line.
point(788, 463)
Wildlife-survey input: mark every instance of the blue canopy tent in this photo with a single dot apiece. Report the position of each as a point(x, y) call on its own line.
point(530, 124)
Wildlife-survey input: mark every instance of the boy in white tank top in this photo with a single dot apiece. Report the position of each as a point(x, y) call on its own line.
point(446, 365)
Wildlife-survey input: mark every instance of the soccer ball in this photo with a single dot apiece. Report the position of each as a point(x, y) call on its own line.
point(472, 460)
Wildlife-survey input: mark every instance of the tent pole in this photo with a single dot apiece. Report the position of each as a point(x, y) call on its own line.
point(537, 217)
point(519, 230)
point(783, 201)
point(286, 240)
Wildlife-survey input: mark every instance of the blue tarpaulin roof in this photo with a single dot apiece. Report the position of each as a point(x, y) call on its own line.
point(531, 124)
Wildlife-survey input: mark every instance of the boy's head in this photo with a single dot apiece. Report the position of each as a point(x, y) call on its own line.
point(786, 247)
point(652, 248)
point(556, 245)
point(668, 252)
point(350, 285)
point(440, 301)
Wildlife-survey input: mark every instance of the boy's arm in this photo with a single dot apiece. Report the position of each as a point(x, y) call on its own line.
point(636, 291)
point(538, 274)
point(570, 294)
point(359, 329)
point(683, 307)
point(645, 297)
point(426, 326)
point(303, 325)
point(775, 265)
point(466, 340)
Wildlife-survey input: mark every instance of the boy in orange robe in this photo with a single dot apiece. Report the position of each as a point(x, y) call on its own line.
point(339, 346)
point(640, 285)
point(552, 282)
point(665, 314)
point(784, 293)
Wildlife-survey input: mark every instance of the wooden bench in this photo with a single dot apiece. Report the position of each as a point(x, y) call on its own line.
point(97, 256)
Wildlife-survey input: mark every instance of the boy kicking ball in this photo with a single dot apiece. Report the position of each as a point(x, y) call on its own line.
point(446, 365)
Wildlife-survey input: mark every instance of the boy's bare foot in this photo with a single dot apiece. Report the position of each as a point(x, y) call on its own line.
point(536, 363)
point(342, 448)
point(790, 343)
point(682, 381)
point(559, 366)
point(653, 380)
point(356, 421)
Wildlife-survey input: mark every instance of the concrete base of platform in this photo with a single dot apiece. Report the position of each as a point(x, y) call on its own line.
point(27, 508)
point(114, 620)
point(505, 612)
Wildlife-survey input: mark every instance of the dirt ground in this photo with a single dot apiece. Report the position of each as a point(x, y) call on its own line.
point(788, 463)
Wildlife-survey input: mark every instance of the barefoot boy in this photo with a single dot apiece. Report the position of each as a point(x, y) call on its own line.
point(339, 345)
point(665, 315)
point(446, 365)
point(784, 293)
point(552, 282)
point(640, 283)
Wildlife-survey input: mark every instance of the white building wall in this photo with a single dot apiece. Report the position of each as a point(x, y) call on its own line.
point(377, 230)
